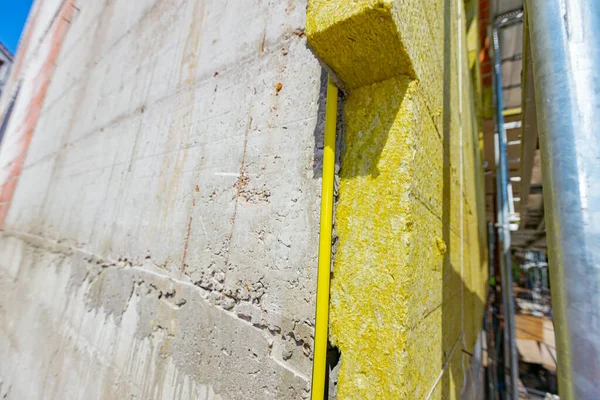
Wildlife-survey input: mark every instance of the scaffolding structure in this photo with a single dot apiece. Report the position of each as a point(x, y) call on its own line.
point(560, 90)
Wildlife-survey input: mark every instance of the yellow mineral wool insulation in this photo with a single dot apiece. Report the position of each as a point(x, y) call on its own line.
point(409, 274)
point(358, 40)
point(388, 276)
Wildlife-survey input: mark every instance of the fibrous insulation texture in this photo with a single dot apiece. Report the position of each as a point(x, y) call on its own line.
point(409, 281)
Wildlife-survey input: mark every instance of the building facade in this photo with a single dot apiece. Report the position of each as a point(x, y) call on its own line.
point(161, 183)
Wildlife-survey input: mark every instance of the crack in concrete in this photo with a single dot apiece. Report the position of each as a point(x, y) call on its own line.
point(294, 336)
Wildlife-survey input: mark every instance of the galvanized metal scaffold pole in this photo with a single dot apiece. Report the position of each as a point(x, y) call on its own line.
point(510, 352)
point(565, 45)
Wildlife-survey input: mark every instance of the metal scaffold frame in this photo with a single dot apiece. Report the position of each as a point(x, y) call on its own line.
point(511, 370)
point(565, 54)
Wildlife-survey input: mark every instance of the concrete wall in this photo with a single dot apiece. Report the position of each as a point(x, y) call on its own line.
point(409, 272)
point(160, 198)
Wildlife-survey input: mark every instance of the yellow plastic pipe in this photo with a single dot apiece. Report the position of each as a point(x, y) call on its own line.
point(324, 268)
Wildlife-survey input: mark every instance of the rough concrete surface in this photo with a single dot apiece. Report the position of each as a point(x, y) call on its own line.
point(161, 241)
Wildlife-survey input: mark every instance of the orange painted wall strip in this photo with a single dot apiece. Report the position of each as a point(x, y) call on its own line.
point(23, 133)
point(24, 44)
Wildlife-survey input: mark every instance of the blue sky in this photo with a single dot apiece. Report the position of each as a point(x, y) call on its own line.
point(13, 14)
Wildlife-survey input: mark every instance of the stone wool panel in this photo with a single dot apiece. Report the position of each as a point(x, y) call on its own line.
point(405, 294)
point(358, 40)
point(388, 269)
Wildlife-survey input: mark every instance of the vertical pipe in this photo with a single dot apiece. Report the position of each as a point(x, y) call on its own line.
point(324, 269)
point(510, 353)
point(491, 348)
point(566, 54)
